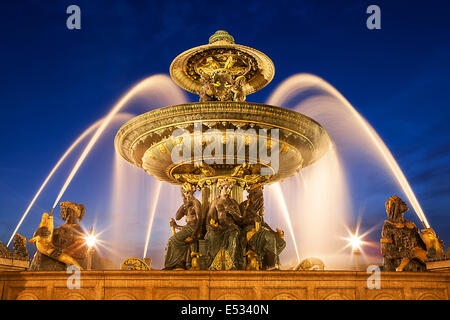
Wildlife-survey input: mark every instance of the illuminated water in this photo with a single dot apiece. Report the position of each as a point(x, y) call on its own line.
point(321, 107)
point(319, 203)
point(158, 84)
point(157, 90)
point(152, 216)
point(119, 117)
point(317, 210)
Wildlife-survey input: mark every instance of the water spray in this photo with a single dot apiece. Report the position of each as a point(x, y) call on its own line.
point(301, 82)
point(55, 168)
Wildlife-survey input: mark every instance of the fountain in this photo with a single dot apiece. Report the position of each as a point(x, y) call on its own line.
point(255, 165)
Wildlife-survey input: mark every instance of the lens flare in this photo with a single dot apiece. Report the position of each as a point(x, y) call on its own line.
point(355, 241)
point(91, 240)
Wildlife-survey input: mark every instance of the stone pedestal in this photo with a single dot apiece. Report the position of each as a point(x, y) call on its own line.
point(246, 285)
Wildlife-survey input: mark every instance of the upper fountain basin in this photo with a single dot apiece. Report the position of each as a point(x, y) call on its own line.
point(294, 141)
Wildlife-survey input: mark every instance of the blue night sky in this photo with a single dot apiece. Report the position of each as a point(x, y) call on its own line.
point(55, 82)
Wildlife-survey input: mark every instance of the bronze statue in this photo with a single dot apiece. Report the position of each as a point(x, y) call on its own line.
point(183, 242)
point(252, 261)
point(222, 82)
point(43, 239)
point(70, 235)
point(220, 85)
point(62, 246)
point(207, 88)
point(257, 235)
point(195, 266)
point(238, 89)
point(224, 247)
point(432, 242)
point(401, 244)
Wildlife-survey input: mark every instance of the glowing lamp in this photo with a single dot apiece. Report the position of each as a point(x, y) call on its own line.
point(355, 242)
point(91, 240)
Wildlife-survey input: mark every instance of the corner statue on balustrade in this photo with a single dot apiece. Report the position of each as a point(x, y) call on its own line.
point(184, 242)
point(63, 246)
point(257, 235)
point(19, 246)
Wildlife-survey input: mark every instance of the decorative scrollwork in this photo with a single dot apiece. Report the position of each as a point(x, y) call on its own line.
point(134, 264)
point(309, 264)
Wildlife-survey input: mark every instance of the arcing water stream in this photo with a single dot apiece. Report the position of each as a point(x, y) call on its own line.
point(118, 117)
point(152, 216)
point(159, 83)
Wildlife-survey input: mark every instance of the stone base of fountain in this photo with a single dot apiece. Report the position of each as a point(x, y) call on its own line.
point(229, 285)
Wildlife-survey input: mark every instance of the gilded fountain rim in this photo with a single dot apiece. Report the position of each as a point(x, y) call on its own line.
point(265, 69)
point(139, 139)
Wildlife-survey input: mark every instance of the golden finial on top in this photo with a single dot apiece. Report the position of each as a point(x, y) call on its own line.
point(222, 36)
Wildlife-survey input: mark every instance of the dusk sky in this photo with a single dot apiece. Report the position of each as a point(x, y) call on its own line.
point(56, 82)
